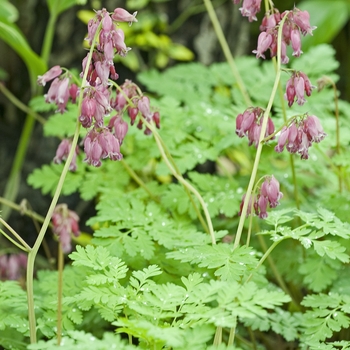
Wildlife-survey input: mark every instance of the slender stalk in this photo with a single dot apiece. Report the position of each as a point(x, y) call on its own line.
point(49, 33)
point(32, 254)
point(231, 337)
point(20, 105)
point(59, 293)
point(184, 182)
point(24, 246)
point(218, 336)
point(264, 257)
point(12, 240)
point(226, 50)
point(337, 133)
point(260, 146)
point(138, 180)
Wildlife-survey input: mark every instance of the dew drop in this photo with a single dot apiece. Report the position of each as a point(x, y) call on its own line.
point(211, 200)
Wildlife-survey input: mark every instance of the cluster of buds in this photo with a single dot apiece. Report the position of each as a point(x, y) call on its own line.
point(65, 223)
point(12, 266)
point(269, 195)
point(297, 86)
point(249, 124)
point(295, 24)
point(299, 136)
point(102, 141)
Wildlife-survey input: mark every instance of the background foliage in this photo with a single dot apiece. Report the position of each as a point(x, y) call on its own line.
point(145, 268)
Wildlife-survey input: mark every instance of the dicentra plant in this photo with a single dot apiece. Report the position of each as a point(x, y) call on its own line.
point(173, 262)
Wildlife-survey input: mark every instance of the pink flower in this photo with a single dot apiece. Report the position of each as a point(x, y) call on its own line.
point(297, 85)
point(92, 149)
point(121, 15)
point(296, 42)
point(88, 110)
point(144, 107)
point(51, 74)
point(314, 129)
point(282, 139)
point(271, 190)
point(302, 20)
point(264, 42)
point(65, 223)
point(156, 119)
point(250, 8)
point(133, 112)
point(62, 153)
point(299, 90)
point(269, 194)
point(120, 127)
point(110, 145)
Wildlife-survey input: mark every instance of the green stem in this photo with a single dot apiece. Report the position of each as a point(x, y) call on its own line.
point(226, 50)
point(291, 159)
point(59, 293)
point(15, 101)
point(24, 246)
point(12, 185)
point(337, 133)
point(168, 155)
point(32, 254)
point(218, 336)
point(262, 134)
point(138, 180)
point(231, 337)
point(49, 34)
point(185, 183)
point(22, 210)
point(263, 258)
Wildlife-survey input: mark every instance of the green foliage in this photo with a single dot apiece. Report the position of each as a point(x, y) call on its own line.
point(13, 316)
point(13, 37)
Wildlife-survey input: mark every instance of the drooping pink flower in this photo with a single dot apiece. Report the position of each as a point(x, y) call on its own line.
point(65, 223)
point(120, 127)
point(300, 134)
point(250, 8)
point(62, 153)
point(144, 107)
point(282, 139)
point(110, 145)
point(51, 74)
point(268, 195)
point(314, 129)
point(297, 85)
point(121, 15)
point(156, 119)
point(302, 20)
point(299, 90)
point(264, 42)
point(133, 112)
point(296, 42)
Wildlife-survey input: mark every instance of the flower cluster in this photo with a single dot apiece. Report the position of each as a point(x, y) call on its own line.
point(60, 89)
point(297, 86)
point(249, 124)
point(296, 23)
point(12, 266)
point(299, 136)
point(102, 141)
point(62, 154)
point(269, 195)
point(65, 223)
